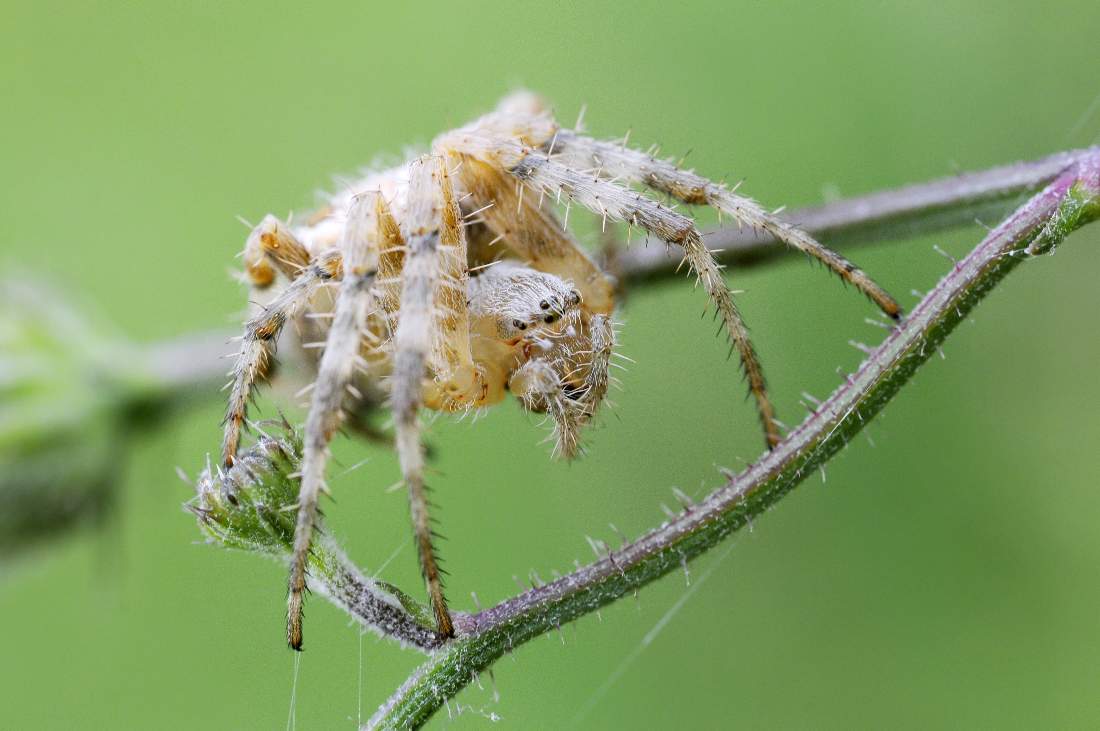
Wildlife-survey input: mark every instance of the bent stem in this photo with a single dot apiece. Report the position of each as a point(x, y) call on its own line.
point(1070, 201)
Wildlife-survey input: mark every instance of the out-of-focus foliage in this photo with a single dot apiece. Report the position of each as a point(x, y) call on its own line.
point(69, 391)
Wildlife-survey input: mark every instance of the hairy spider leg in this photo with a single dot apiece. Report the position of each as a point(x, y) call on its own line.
point(261, 335)
point(601, 335)
point(427, 228)
point(391, 259)
point(617, 161)
point(459, 382)
point(354, 304)
point(617, 203)
point(546, 176)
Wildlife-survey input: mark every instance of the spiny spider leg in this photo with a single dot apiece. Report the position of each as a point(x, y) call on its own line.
point(412, 348)
point(601, 331)
point(547, 176)
point(261, 335)
point(614, 160)
point(334, 374)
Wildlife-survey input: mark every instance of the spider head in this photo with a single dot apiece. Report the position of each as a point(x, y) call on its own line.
point(555, 306)
point(534, 330)
point(524, 306)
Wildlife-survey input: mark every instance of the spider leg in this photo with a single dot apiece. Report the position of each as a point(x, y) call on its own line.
point(272, 246)
point(334, 373)
point(412, 349)
point(618, 161)
point(601, 333)
point(261, 334)
point(461, 384)
point(391, 259)
point(546, 175)
point(534, 233)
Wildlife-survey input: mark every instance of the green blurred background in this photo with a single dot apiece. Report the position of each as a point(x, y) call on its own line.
point(945, 575)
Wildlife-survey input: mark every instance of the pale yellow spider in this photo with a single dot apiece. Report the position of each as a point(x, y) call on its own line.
point(457, 284)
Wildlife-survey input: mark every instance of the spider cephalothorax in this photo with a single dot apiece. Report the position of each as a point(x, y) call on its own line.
point(456, 284)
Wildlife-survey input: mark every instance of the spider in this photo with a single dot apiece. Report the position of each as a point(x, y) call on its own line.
point(456, 285)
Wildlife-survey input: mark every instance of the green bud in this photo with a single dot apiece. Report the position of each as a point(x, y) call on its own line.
point(252, 505)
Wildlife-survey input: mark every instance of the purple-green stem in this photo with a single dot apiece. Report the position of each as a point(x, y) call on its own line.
point(1071, 200)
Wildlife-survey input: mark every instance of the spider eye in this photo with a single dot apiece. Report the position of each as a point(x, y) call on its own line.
point(544, 305)
point(549, 319)
point(574, 297)
point(519, 324)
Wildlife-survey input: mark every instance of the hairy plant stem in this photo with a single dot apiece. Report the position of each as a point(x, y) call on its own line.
point(1068, 202)
point(380, 607)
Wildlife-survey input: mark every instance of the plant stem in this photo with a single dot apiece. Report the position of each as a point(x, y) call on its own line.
point(1070, 201)
point(380, 607)
point(191, 362)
